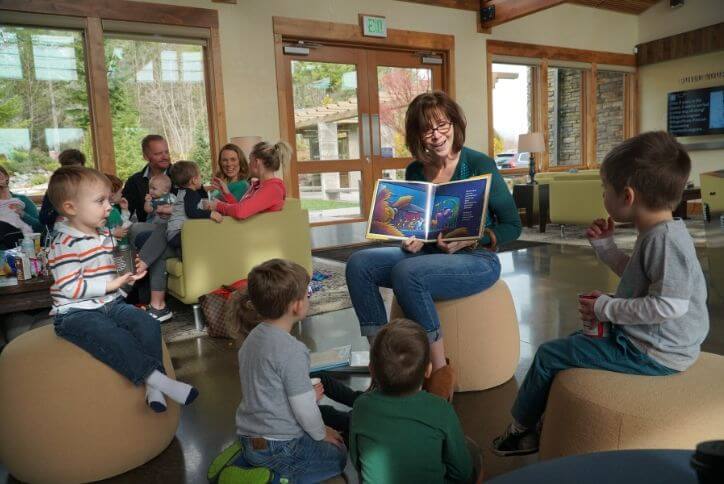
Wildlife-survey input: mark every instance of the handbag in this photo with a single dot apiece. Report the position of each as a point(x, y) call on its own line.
point(213, 305)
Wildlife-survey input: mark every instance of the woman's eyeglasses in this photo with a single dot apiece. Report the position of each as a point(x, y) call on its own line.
point(442, 128)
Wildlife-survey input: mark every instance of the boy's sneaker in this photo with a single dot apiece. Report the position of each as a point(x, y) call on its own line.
point(246, 475)
point(513, 442)
point(159, 315)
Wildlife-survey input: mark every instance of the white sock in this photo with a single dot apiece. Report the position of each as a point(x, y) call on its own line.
point(155, 400)
point(177, 391)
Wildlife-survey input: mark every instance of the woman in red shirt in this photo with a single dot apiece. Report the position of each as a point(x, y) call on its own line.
point(267, 192)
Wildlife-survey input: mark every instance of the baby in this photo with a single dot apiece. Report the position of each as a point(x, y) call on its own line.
point(159, 193)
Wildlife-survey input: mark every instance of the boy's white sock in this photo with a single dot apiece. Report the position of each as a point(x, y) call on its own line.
point(177, 391)
point(155, 400)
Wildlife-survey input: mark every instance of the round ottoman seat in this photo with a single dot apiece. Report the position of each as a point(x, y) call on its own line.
point(596, 410)
point(481, 337)
point(67, 417)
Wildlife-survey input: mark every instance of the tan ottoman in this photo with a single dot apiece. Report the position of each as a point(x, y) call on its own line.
point(595, 410)
point(67, 417)
point(481, 337)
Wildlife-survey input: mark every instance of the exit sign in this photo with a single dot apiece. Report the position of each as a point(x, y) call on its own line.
point(374, 26)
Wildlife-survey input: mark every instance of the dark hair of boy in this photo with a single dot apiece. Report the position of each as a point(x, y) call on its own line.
point(274, 285)
point(66, 181)
point(148, 139)
point(653, 164)
point(182, 172)
point(116, 183)
point(71, 157)
point(399, 357)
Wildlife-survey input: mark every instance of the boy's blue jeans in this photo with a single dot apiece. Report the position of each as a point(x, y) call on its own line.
point(118, 334)
point(614, 353)
point(302, 460)
point(418, 280)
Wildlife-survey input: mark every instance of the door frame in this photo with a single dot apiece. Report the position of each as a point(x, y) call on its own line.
point(347, 35)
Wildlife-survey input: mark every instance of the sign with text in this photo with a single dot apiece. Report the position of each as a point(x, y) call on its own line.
point(696, 112)
point(374, 26)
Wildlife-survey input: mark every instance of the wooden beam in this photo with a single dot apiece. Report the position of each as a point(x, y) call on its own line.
point(507, 10)
point(559, 53)
point(624, 6)
point(215, 96)
point(695, 42)
point(473, 5)
point(119, 10)
point(98, 97)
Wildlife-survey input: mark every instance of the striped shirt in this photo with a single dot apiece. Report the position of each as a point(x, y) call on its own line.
point(81, 266)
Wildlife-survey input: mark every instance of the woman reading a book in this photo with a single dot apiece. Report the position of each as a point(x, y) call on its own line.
point(420, 273)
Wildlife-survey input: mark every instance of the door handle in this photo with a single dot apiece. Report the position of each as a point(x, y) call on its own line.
point(366, 149)
point(375, 135)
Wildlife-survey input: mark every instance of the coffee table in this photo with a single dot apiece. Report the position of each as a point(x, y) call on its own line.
point(24, 296)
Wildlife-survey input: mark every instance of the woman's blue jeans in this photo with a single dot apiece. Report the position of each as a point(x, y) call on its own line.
point(417, 281)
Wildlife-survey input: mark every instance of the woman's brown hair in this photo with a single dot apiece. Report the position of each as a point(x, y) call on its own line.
point(240, 316)
point(422, 114)
point(243, 163)
point(272, 156)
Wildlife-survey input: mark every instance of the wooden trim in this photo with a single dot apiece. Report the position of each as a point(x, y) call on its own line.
point(337, 222)
point(283, 106)
point(507, 10)
point(559, 53)
point(695, 42)
point(515, 171)
point(215, 96)
point(98, 97)
point(119, 10)
point(473, 5)
point(338, 33)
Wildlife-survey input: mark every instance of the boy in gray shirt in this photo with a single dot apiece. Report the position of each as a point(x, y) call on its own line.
point(658, 315)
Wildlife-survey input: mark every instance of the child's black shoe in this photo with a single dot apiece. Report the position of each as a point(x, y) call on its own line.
point(513, 442)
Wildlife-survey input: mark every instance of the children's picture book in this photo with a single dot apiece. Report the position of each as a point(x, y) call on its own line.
point(403, 209)
point(333, 358)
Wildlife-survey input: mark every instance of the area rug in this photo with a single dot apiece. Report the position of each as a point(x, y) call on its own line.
point(342, 254)
point(625, 237)
point(330, 294)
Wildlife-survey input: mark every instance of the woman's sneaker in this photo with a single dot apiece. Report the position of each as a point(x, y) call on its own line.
point(514, 442)
point(159, 315)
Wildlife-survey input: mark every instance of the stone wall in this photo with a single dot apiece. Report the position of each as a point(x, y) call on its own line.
point(609, 112)
point(564, 116)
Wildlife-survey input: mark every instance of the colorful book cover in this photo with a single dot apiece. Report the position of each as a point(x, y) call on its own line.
point(404, 209)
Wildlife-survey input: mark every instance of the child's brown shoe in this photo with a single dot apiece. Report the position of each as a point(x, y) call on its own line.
point(441, 382)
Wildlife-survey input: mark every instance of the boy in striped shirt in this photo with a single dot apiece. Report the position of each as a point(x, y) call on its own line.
point(88, 307)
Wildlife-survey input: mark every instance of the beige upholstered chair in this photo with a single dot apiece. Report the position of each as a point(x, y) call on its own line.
point(481, 337)
point(67, 417)
point(595, 410)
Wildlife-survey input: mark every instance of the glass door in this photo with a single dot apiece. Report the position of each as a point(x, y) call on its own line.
point(347, 117)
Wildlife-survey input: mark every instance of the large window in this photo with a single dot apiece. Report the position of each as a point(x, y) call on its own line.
point(580, 100)
point(565, 116)
point(512, 112)
point(157, 87)
point(44, 103)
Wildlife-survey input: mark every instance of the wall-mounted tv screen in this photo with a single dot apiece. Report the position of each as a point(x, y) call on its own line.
point(696, 112)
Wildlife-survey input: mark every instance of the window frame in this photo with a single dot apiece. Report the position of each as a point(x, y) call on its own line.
point(144, 18)
point(541, 57)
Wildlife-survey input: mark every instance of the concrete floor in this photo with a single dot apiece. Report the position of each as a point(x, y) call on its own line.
point(544, 282)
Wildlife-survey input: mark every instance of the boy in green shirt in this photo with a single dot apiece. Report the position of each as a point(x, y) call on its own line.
point(399, 432)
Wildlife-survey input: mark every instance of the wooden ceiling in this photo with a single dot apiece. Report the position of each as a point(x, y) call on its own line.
point(626, 6)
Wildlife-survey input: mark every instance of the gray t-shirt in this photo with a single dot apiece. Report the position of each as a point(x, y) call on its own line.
point(660, 303)
point(273, 367)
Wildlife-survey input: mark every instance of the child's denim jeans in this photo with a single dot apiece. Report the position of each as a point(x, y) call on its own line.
point(302, 460)
point(614, 353)
point(118, 334)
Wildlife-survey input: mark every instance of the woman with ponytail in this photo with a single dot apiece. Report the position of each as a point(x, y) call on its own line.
point(267, 192)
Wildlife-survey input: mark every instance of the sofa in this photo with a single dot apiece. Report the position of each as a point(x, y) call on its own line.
point(217, 254)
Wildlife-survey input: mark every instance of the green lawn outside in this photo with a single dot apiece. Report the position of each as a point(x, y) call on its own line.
point(325, 204)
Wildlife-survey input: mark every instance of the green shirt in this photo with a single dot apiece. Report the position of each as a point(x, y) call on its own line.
point(503, 218)
point(415, 438)
point(115, 220)
point(237, 189)
point(30, 213)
